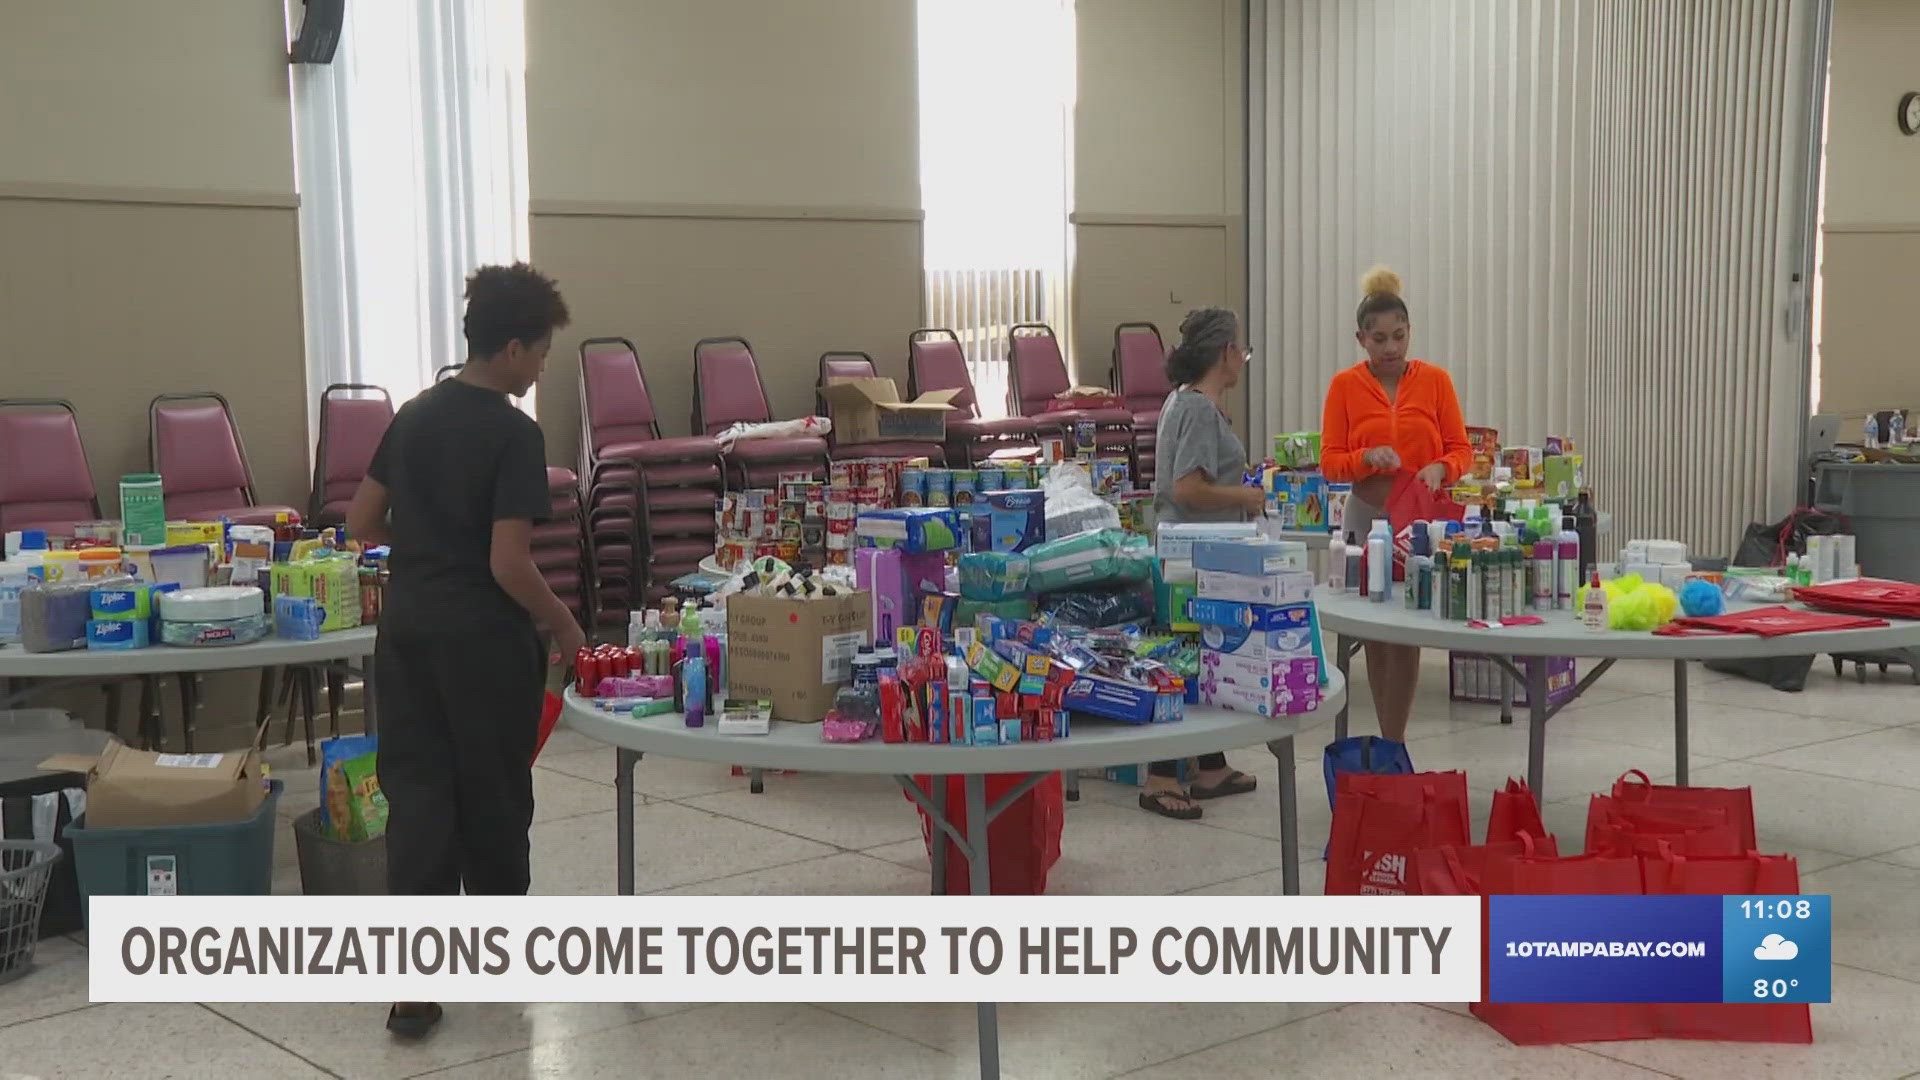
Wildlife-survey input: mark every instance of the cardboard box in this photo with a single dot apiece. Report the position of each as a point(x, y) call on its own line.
point(870, 410)
point(794, 653)
point(1279, 701)
point(135, 788)
point(1175, 540)
point(1257, 631)
point(1257, 557)
point(1287, 587)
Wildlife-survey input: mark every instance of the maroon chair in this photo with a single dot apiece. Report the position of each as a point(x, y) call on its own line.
point(197, 451)
point(727, 390)
point(1038, 371)
point(350, 431)
point(45, 481)
point(935, 361)
point(649, 500)
point(1140, 378)
point(858, 365)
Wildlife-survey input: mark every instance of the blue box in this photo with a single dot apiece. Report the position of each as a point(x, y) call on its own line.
point(1016, 520)
point(910, 528)
point(117, 634)
point(1253, 558)
point(1115, 700)
point(1259, 633)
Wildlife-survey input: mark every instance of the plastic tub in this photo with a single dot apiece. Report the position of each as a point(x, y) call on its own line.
point(233, 858)
point(330, 867)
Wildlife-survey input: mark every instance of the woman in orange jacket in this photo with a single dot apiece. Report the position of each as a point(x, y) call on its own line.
point(1386, 417)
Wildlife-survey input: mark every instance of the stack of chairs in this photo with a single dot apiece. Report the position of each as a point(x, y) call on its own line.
point(560, 546)
point(353, 418)
point(649, 501)
point(858, 365)
point(1140, 378)
point(935, 361)
point(727, 390)
point(1039, 372)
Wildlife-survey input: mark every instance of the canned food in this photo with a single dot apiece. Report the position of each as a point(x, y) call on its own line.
point(913, 487)
point(766, 549)
point(791, 530)
point(840, 475)
point(796, 478)
point(1052, 448)
point(966, 484)
point(788, 551)
point(731, 553)
point(991, 480)
point(837, 556)
point(792, 510)
point(1084, 438)
point(813, 534)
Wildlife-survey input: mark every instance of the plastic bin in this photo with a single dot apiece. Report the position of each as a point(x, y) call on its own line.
point(230, 859)
point(330, 867)
point(26, 866)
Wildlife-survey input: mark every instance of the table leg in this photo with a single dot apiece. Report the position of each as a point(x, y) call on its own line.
point(1506, 695)
point(623, 762)
point(1343, 659)
point(1289, 816)
point(756, 781)
point(1071, 780)
point(979, 877)
point(937, 846)
point(369, 700)
point(1680, 722)
point(1537, 731)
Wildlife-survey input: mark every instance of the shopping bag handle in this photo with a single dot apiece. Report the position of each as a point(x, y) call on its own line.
point(1645, 782)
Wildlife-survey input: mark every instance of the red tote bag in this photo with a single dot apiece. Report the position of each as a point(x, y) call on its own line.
point(1728, 875)
point(1379, 822)
point(1023, 843)
point(1462, 871)
point(1615, 827)
point(1735, 803)
point(1515, 812)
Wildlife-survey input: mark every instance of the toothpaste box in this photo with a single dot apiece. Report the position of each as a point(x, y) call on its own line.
point(1255, 558)
point(1261, 701)
point(1286, 587)
point(1175, 540)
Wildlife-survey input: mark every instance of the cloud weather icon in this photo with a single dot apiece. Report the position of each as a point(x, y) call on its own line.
point(1775, 947)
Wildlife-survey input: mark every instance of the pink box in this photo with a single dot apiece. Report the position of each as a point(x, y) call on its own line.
point(1261, 701)
point(923, 571)
point(879, 571)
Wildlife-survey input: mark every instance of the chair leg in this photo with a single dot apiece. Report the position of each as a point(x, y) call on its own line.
point(148, 723)
point(289, 701)
point(269, 682)
point(336, 690)
point(189, 708)
point(309, 701)
point(113, 709)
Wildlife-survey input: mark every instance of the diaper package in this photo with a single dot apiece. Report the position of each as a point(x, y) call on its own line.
point(993, 575)
point(1103, 557)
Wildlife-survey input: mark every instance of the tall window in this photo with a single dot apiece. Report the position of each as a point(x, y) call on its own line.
point(410, 150)
point(996, 173)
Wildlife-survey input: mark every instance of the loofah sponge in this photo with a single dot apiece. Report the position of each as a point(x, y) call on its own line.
point(1701, 599)
point(1634, 603)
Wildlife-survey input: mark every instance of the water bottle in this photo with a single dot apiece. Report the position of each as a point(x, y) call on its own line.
point(1873, 431)
point(1897, 428)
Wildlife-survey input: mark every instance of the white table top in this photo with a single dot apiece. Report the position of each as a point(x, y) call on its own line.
point(1562, 635)
point(1093, 744)
point(16, 662)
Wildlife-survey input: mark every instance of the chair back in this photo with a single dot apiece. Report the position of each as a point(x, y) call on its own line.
point(197, 451)
point(1036, 369)
point(1140, 366)
point(353, 418)
point(44, 475)
point(935, 361)
point(615, 406)
point(726, 386)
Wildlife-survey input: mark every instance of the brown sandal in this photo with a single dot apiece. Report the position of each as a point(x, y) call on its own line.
point(1164, 803)
point(1235, 783)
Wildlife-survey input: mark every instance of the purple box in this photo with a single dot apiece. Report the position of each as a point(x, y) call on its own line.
point(1261, 701)
point(1475, 678)
point(879, 571)
point(1290, 674)
point(923, 571)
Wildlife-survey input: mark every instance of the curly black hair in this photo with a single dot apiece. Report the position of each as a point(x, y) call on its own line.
point(510, 303)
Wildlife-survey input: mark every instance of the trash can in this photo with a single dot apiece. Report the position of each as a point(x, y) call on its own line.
point(330, 867)
point(25, 868)
point(233, 858)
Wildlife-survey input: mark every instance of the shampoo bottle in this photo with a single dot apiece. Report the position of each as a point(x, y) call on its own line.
point(1336, 565)
point(1593, 613)
point(1355, 576)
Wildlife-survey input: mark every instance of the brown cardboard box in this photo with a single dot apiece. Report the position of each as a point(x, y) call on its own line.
point(870, 410)
point(794, 653)
point(128, 787)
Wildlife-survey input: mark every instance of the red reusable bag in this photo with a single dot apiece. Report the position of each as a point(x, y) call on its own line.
point(549, 716)
point(1737, 803)
point(1617, 827)
point(1380, 821)
point(1514, 812)
point(1728, 875)
point(1412, 500)
point(1462, 871)
point(1537, 1024)
point(1023, 843)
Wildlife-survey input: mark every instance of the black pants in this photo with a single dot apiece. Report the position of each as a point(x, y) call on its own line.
point(459, 714)
point(1171, 769)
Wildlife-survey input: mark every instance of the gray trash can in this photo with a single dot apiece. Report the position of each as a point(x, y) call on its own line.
point(330, 867)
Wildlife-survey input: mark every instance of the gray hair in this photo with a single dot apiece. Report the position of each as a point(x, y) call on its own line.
point(1204, 334)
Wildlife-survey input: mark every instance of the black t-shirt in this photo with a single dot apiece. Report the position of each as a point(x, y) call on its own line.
point(456, 459)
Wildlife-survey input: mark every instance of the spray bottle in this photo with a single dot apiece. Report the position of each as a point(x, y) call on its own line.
point(1379, 563)
point(1593, 611)
point(1336, 565)
point(1566, 565)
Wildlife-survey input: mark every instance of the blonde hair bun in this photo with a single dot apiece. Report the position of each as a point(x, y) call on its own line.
point(1379, 281)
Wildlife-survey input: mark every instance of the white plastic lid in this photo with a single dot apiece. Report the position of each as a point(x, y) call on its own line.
point(212, 603)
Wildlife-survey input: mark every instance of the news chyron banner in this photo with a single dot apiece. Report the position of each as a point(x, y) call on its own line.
point(1565, 949)
point(786, 949)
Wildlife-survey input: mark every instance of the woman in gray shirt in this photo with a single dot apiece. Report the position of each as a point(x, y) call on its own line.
point(1198, 478)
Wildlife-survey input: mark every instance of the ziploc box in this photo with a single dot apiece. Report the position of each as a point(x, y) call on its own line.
point(1259, 632)
point(1175, 540)
point(1257, 557)
point(1016, 520)
point(910, 528)
point(1286, 587)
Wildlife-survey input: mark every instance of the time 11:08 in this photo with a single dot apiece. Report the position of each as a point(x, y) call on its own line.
point(1779, 909)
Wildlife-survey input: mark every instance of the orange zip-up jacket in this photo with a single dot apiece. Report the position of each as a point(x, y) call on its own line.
point(1423, 423)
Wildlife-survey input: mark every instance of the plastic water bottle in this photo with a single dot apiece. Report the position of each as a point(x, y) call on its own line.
point(1873, 431)
point(1897, 428)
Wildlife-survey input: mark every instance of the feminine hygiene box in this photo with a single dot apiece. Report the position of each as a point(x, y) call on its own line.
point(128, 787)
point(794, 653)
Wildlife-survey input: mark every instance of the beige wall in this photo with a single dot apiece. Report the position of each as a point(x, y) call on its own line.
point(1158, 161)
point(712, 167)
point(1871, 257)
point(149, 239)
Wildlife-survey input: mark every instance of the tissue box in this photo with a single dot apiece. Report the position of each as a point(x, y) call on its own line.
point(1258, 631)
point(1254, 558)
point(1287, 587)
point(910, 528)
point(1175, 541)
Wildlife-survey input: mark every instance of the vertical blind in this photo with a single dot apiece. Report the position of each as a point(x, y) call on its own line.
point(1597, 207)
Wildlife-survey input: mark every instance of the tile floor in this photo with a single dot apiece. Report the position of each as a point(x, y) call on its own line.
point(1836, 778)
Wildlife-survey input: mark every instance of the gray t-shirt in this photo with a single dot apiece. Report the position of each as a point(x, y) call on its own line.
point(1195, 435)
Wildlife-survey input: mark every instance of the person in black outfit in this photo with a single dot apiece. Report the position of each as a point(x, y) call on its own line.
point(455, 488)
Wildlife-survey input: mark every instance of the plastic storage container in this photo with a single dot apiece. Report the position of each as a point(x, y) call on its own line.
point(330, 867)
point(218, 615)
point(230, 859)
